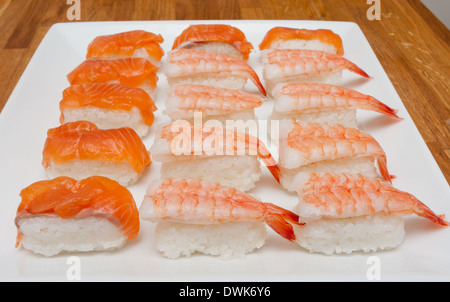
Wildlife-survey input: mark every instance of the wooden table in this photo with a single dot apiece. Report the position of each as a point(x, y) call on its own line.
point(410, 42)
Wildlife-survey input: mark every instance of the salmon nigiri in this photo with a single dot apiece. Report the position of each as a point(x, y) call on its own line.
point(136, 43)
point(108, 105)
point(215, 38)
point(131, 72)
point(66, 215)
point(80, 149)
point(296, 38)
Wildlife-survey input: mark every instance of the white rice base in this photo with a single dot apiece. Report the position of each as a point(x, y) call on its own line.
point(303, 44)
point(217, 47)
point(294, 179)
point(108, 119)
point(344, 117)
point(121, 172)
point(48, 235)
point(215, 80)
point(227, 240)
point(240, 171)
point(346, 235)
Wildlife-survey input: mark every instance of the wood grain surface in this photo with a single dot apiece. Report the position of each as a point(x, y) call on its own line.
point(410, 42)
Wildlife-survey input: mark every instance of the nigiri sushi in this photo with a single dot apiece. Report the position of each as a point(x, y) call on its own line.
point(109, 106)
point(200, 216)
point(131, 72)
point(301, 65)
point(191, 66)
point(344, 213)
point(66, 215)
point(220, 38)
point(300, 38)
point(321, 147)
point(136, 43)
point(216, 154)
point(213, 103)
point(323, 103)
point(80, 149)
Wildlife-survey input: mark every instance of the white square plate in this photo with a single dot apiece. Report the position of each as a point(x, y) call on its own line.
point(33, 108)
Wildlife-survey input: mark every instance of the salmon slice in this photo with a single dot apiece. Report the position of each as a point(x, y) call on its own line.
point(68, 198)
point(82, 140)
point(132, 72)
point(215, 33)
point(125, 44)
point(110, 96)
point(285, 33)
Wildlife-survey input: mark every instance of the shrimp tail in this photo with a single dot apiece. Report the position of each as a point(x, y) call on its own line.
point(255, 79)
point(354, 68)
point(269, 161)
point(382, 166)
point(383, 108)
point(424, 211)
point(282, 221)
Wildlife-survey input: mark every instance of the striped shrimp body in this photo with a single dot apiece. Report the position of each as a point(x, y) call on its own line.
point(295, 98)
point(314, 147)
point(186, 99)
point(301, 65)
point(207, 68)
point(331, 195)
point(211, 153)
point(201, 202)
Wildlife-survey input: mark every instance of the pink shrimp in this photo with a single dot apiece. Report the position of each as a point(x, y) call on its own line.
point(313, 142)
point(298, 97)
point(203, 202)
point(302, 65)
point(333, 195)
point(309, 61)
point(191, 62)
point(210, 100)
point(228, 141)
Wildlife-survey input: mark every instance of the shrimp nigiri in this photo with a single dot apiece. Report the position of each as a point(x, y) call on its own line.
point(300, 38)
point(136, 43)
point(215, 38)
point(214, 103)
point(324, 103)
point(109, 106)
point(131, 72)
point(80, 149)
point(197, 215)
point(351, 212)
point(321, 147)
point(190, 66)
point(211, 153)
point(66, 215)
point(301, 65)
